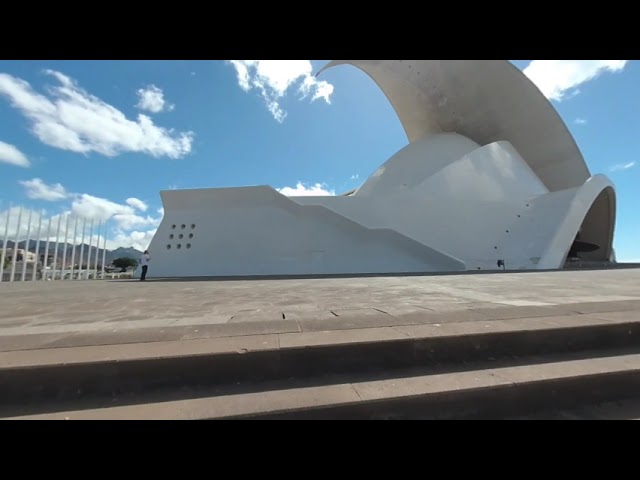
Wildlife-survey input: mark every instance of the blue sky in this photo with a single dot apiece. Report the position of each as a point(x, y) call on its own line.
point(102, 138)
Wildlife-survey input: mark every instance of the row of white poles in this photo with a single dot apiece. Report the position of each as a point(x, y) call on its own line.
point(44, 236)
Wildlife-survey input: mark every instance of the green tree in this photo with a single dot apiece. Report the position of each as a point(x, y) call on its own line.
point(124, 262)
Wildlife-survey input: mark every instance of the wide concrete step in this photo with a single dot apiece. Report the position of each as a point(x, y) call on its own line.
point(488, 393)
point(624, 409)
point(35, 377)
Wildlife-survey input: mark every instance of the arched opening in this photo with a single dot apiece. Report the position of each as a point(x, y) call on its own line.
point(598, 226)
point(484, 100)
point(372, 131)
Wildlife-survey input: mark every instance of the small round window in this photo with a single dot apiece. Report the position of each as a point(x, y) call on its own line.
point(183, 226)
point(173, 226)
point(193, 225)
point(180, 236)
point(171, 236)
point(178, 246)
point(168, 247)
point(191, 235)
point(188, 245)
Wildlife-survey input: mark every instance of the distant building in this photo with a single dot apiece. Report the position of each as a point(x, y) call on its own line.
point(20, 255)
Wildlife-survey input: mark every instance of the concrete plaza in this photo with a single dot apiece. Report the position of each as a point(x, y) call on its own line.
point(48, 314)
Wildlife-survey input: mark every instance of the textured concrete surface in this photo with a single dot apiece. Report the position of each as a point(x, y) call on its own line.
point(628, 409)
point(462, 332)
point(74, 338)
point(526, 381)
point(63, 313)
point(42, 373)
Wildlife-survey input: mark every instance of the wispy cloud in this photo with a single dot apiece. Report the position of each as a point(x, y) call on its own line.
point(10, 154)
point(302, 190)
point(558, 79)
point(152, 100)
point(137, 239)
point(125, 215)
point(580, 121)
point(354, 177)
point(137, 204)
point(623, 166)
point(274, 78)
point(70, 118)
point(36, 189)
point(131, 229)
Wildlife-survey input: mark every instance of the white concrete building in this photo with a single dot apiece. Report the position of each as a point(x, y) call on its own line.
point(491, 178)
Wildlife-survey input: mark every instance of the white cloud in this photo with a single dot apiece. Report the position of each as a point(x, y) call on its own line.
point(301, 190)
point(161, 211)
point(558, 78)
point(139, 240)
point(152, 99)
point(88, 206)
point(137, 203)
point(10, 154)
point(69, 118)
point(274, 78)
point(355, 177)
point(623, 166)
point(580, 121)
point(38, 190)
point(91, 207)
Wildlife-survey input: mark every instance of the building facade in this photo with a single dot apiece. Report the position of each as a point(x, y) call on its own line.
point(491, 179)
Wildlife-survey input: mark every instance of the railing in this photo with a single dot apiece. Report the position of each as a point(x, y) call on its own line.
point(35, 247)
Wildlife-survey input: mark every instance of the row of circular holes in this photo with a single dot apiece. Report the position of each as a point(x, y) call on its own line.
point(180, 236)
point(179, 246)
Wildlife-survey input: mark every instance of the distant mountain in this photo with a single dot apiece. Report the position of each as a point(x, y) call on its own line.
point(109, 257)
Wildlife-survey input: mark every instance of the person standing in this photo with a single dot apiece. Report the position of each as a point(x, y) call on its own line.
point(144, 263)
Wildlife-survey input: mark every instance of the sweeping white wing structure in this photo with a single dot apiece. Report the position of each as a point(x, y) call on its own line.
point(491, 178)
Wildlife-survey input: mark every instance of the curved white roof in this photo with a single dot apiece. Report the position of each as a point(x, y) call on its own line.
point(416, 162)
point(484, 100)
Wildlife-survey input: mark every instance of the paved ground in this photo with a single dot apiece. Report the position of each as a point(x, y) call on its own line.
point(107, 321)
point(628, 409)
point(250, 306)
